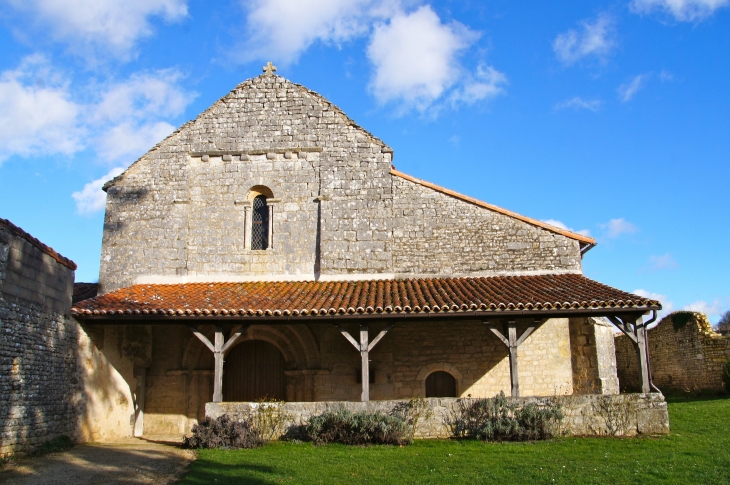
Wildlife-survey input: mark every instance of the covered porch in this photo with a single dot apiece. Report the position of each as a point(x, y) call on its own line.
point(367, 340)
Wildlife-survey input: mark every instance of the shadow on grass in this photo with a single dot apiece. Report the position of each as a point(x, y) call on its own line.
point(686, 398)
point(209, 471)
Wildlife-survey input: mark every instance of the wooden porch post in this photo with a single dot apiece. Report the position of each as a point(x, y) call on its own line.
point(364, 347)
point(513, 342)
point(219, 350)
point(635, 329)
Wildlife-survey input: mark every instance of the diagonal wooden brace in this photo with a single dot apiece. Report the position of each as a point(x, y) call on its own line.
point(220, 348)
point(364, 347)
point(512, 342)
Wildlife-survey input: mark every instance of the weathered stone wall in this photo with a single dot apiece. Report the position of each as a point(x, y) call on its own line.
point(437, 234)
point(40, 389)
point(182, 212)
point(688, 358)
point(584, 415)
point(322, 366)
point(593, 356)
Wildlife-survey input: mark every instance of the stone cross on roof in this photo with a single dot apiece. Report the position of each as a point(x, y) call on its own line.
point(269, 68)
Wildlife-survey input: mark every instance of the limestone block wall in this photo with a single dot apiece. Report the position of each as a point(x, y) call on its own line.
point(179, 211)
point(593, 356)
point(689, 357)
point(322, 366)
point(40, 390)
point(435, 233)
point(587, 415)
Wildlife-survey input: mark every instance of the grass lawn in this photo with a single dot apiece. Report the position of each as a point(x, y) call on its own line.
point(696, 451)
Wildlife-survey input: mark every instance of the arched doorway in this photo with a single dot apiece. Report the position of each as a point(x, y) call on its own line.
point(440, 384)
point(254, 370)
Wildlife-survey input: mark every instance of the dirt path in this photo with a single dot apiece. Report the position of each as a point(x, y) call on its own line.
point(128, 462)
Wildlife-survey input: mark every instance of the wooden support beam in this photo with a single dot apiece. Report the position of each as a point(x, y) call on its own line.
point(626, 329)
point(220, 348)
point(513, 342)
point(364, 347)
point(141, 374)
point(635, 329)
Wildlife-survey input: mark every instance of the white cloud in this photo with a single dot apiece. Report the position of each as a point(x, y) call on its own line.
point(667, 305)
point(664, 261)
point(681, 10)
point(283, 29)
point(594, 38)
point(627, 90)
point(130, 140)
point(561, 225)
point(91, 198)
point(415, 57)
point(712, 310)
point(617, 227)
point(87, 25)
point(37, 114)
point(577, 103)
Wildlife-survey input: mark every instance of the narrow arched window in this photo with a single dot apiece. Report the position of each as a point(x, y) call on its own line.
point(260, 223)
point(440, 384)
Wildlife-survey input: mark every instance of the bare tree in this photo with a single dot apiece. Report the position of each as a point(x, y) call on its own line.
point(723, 326)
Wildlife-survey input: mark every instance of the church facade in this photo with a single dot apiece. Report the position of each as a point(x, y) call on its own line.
point(270, 249)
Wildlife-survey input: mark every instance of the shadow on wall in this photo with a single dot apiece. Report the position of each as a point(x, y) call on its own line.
point(107, 357)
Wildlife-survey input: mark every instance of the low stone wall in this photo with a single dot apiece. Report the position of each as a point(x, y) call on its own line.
point(585, 415)
point(684, 354)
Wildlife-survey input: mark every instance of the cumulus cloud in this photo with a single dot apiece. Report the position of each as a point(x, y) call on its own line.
point(561, 225)
point(110, 25)
point(594, 38)
point(283, 29)
point(617, 227)
point(37, 113)
point(91, 198)
point(129, 140)
point(416, 61)
point(578, 103)
point(628, 90)
point(667, 305)
point(664, 261)
point(681, 10)
point(712, 310)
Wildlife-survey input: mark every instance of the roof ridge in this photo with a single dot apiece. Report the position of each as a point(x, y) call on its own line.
point(38, 244)
point(579, 237)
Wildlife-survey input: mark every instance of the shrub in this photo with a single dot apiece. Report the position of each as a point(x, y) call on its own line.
point(495, 419)
point(361, 428)
point(412, 412)
point(681, 319)
point(59, 443)
point(269, 419)
point(224, 432)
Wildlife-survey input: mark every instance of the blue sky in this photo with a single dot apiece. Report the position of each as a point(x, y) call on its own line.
point(606, 117)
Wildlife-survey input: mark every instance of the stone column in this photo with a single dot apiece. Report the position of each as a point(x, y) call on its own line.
point(593, 356)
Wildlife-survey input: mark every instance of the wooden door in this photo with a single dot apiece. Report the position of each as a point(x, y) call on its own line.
point(254, 370)
point(440, 384)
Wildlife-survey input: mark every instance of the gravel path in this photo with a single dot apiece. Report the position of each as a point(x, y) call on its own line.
point(126, 462)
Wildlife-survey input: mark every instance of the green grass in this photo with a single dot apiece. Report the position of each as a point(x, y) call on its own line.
point(697, 451)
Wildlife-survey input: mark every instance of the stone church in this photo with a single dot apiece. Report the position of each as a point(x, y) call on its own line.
point(270, 249)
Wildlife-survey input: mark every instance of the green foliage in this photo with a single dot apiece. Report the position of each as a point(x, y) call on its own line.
point(224, 432)
point(360, 428)
point(726, 375)
point(496, 419)
point(413, 411)
point(59, 443)
point(681, 319)
point(696, 451)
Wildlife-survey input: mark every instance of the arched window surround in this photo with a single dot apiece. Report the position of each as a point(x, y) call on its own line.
point(440, 366)
point(255, 196)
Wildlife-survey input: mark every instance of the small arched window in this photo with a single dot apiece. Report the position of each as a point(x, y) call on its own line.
point(440, 384)
point(260, 224)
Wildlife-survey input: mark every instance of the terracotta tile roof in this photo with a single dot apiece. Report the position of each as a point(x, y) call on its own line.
point(585, 240)
point(84, 291)
point(35, 242)
point(342, 298)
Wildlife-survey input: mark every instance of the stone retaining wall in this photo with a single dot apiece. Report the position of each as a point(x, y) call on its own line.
point(688, 358)
point(585, 415)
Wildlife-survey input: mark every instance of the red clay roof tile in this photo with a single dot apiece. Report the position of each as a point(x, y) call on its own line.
point(302, 298)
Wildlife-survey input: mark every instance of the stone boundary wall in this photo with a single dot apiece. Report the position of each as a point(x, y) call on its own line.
point(689, 358)
point(585, 415)
point(39, 383)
